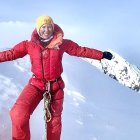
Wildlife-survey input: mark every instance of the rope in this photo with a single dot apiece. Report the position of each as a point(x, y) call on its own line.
point(47, 101)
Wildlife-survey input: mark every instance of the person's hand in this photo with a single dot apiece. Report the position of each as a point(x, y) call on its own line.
point(107, 55)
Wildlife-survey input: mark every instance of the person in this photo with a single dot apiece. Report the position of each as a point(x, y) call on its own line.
point(46, 49)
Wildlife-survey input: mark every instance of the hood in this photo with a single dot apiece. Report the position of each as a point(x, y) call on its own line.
point(35, 37)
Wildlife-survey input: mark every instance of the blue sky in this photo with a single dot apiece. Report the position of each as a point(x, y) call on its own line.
point(100, 24)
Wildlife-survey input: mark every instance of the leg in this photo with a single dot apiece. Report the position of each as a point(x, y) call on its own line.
point(54, 126)
point(21, 111)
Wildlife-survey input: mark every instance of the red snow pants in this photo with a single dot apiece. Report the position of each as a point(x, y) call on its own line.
point(24, 107)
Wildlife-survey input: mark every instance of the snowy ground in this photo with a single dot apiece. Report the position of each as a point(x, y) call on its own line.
point(119, 69)
point(96, 107)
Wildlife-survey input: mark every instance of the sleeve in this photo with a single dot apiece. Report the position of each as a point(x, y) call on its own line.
point(74, 49)
point(18, 51)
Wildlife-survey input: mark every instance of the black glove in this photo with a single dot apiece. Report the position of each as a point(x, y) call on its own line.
point(107, 55)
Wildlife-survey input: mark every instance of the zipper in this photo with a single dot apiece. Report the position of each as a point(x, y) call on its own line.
point(42, 65)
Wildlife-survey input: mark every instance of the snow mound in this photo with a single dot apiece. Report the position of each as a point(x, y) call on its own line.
point(119, 69)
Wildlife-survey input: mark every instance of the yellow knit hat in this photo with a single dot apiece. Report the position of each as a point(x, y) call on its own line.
point(43, 20)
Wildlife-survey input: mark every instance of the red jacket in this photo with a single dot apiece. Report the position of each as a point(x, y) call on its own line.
point(46, 63)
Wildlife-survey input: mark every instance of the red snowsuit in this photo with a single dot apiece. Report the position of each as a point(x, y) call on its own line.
point(46, 65)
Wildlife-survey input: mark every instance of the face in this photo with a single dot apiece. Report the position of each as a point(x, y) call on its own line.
point(46, 31)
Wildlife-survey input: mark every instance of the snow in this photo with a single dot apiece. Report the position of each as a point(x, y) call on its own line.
point(91, 107)
point(76, 96)
point(119, 69)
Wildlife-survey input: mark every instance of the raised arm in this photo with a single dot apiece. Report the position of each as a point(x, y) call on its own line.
point(74, 49)
point(18, 51)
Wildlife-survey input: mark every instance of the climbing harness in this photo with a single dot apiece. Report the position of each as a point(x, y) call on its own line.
point(47, 103)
